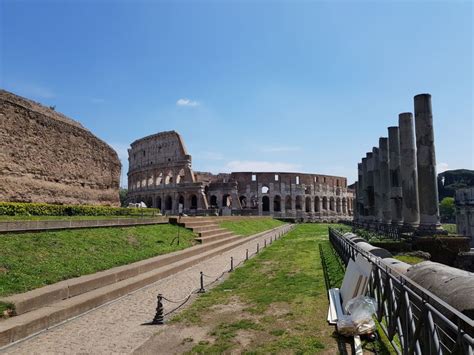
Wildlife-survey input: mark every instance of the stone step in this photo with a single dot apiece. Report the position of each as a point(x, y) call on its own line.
point(212, 238)
point(212, 232)
point(19, 327)
point(205, 228)
point(198, 224)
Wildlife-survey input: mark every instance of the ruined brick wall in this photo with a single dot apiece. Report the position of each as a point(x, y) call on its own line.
point(47, 157)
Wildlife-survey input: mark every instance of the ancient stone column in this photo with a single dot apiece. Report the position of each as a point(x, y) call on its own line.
point(395, 184)
point(408, 172)
point(384, 180)
point(363, 191)
point(426, 165)
point(370, 188)
point(377, 189)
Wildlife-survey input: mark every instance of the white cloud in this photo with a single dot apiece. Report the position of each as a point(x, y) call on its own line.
point(442, 167)
point(261, 166)
point(280, 149)
point(187, 102)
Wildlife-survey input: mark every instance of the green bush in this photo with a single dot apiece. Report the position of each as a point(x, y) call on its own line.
point(44, 209)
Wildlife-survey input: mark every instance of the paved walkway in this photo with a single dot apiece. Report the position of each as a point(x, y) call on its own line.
point(117, 327)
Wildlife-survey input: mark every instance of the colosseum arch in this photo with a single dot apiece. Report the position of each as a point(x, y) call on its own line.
point(331, 204)
point(213, 201)
point(180, 176)
point(243, 201)
point(277, 203)
point(168, 203)
point(226, 200)
point(338, 205)
point(265, 189)
point(181, 201)
point(288, 203)
point(158, 202)
point(298, 203)
point(308, 204)
point(316, 204)
point(193, 202)
point(325, 203)
point(159, 179)
point(265, 204)
point(169, 178)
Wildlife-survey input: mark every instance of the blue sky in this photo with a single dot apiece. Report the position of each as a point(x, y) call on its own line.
point(304, 86)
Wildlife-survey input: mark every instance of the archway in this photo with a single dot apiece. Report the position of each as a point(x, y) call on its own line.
point(265, 189)
point(181, 204)
point(331, 204)
point(277, 204)
point(265, 204)
point(214, 201)
point(325, 203)
point(226, 200)
point(298, 203)
point(194, 202)
point(308, 204)
point(288, 203)
point(243, 201)
point(158, 202)
point(316, 204)
point(168, 203)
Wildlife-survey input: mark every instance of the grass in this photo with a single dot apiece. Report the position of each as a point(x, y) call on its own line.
point(409, 259)
point(246, 227)
point(32, 260)
point(279, 301)
point(450, 228)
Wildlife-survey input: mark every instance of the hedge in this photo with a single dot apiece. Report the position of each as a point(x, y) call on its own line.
point(44, 209)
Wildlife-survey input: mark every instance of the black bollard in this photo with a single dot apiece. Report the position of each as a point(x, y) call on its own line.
point(246, 254)
point(258, 248)
point(202, 290)
point(231, 264)
point(158, 319)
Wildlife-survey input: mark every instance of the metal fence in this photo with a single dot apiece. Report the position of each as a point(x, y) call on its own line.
point(414, 320)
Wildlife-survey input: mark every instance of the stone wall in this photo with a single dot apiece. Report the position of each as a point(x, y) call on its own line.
point(465, 212)
point(47, 157)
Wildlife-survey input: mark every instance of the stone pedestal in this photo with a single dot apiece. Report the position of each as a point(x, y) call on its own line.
point(426, 165)
point(395, 183)
point(408, 172)
point(384, 181)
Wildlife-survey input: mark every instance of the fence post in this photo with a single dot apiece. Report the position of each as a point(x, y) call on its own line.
point(258, 247)
point(264, 243)
point(158, 319)
point(231, 264)
point(201, 290)
point(246, 254)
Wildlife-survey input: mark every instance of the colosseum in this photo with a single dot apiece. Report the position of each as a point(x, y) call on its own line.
point(160, 175)
point(47, 157)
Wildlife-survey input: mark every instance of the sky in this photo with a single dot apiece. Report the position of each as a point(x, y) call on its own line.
point(305, 86)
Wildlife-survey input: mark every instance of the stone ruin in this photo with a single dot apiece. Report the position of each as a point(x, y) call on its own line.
point(397, 180)
point(47, 157)
point(160, 175)
point(464, 200)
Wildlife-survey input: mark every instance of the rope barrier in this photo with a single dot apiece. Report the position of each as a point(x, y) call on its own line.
point(159, 311)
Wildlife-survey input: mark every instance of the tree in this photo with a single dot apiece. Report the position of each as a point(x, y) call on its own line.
point(123, 197)
point(447, 210)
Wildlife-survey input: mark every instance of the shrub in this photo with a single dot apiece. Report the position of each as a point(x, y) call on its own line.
point(44, 209)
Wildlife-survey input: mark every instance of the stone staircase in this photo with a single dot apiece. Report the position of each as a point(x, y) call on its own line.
point(207, 228)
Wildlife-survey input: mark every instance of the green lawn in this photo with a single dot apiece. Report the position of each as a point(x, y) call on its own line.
point(409, 259)
point(279, 299)
point(450, 228)
point(32, 260)
point(251, 226)
point(275, 303)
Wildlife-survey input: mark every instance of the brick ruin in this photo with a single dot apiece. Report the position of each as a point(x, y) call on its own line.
point(160, 175)
point(47, 157)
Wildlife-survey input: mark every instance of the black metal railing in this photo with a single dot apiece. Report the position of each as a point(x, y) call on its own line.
point(414, 320)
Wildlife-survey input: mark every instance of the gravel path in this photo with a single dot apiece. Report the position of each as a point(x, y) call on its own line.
point(116, 328)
